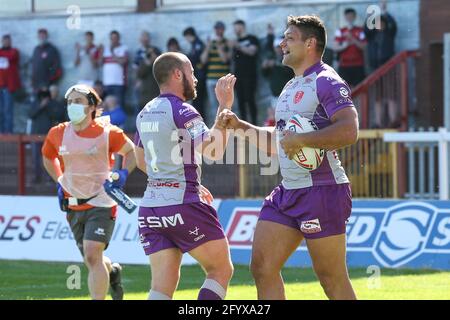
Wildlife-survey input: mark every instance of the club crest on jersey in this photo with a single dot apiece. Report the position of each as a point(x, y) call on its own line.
point(310, 226)
point(298, 96)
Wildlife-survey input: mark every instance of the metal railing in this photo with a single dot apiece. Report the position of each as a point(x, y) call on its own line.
point(385, 87)
point(376, 169)
point(423, 167)
point(372, 166)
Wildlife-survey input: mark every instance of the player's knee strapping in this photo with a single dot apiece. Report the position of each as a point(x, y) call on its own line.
point(211, 290)
point(155, 295)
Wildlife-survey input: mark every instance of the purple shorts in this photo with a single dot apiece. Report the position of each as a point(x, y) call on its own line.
point(183, 226)
point(317, 212)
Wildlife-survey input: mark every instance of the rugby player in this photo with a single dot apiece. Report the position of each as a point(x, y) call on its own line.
point(173, 217)
point(78, 156)
point(311, 205)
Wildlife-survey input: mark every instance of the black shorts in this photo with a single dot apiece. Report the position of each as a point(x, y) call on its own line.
point(96, 224)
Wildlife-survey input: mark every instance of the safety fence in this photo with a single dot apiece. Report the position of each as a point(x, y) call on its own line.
point(377, 169)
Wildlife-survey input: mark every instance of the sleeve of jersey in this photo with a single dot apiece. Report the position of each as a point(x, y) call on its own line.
point(117, 139)
point(190, 122)
point(137, 140)
point(334, 94)
point(49, 149)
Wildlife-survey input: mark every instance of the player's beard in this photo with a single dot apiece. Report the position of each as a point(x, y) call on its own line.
point(189, 91)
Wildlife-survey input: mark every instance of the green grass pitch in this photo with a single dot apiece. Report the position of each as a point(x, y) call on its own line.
point(47, 280)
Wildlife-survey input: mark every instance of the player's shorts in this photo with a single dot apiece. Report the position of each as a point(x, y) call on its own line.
point(96, 224)
point(184, 226)
point(317, 212)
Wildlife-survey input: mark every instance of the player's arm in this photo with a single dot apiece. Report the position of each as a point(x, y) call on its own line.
point(50, 155)
point(342, 132)
point(264, 138)
point(140, 158)
point(53, 167)
point(129, 158)
point(334, 96)
point(214, 144)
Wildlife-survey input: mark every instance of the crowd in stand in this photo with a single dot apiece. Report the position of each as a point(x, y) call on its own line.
point(106, 68)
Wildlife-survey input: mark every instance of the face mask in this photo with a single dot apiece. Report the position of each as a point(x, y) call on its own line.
point(76, 113)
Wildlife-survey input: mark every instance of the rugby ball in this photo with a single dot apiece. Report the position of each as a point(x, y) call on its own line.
point(307, 158)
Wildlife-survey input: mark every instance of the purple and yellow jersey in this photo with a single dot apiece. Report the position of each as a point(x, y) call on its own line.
point(316, 95)
point(168, 131)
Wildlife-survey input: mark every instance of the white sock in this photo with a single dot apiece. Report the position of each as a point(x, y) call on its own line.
point(155, 295)
point(215, 287)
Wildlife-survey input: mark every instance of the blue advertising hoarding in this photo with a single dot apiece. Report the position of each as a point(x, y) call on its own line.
point(412, 234)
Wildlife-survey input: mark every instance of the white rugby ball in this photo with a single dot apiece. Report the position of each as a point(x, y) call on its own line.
point(307, 158)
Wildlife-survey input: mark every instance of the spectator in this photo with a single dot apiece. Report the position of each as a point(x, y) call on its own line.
point(149, 87)
point(100, 89)
point(86, 60)
point(141, 53)
point(245, 56)
point(173, 45)
point(145, 82)
point(46, 63)
point(381, 42)
point(46, 111)
point(59, 106)
point(381, 47)
point(9, 83)
point(115, 61)
point(217, 55)
point(197, 47)
point(349, 43)
point(273, 69)
point(112, 109)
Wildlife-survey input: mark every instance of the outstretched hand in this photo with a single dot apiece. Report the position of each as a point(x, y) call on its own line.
point(225, 91)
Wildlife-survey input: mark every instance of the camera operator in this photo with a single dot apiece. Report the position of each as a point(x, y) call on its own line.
point(148, 88)
point(45, 112)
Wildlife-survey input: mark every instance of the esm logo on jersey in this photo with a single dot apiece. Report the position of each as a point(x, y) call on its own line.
point(161, 222)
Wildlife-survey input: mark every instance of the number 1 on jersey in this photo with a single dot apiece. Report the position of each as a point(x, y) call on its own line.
point(151, 149)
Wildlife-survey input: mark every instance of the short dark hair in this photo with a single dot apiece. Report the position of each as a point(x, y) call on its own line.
point(164, 66)
point(349, 10)
point(189, 31)
point(115, 32)
point(43, 30)
point(241, 22)
point(310, 27)
point(89, 33)
point(7, 36)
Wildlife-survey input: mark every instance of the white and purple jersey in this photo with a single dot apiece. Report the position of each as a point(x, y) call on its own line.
point(316, 95)
point(168, 130)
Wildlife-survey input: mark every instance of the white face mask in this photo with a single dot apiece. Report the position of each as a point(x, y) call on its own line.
point(76, 113)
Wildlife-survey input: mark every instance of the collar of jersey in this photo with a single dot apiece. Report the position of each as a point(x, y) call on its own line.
point(170, 95)
point(312, 69)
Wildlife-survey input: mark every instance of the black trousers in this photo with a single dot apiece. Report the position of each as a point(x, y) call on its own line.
point(246, 90)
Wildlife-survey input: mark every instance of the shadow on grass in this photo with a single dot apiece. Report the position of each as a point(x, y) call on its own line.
point(48, 280)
